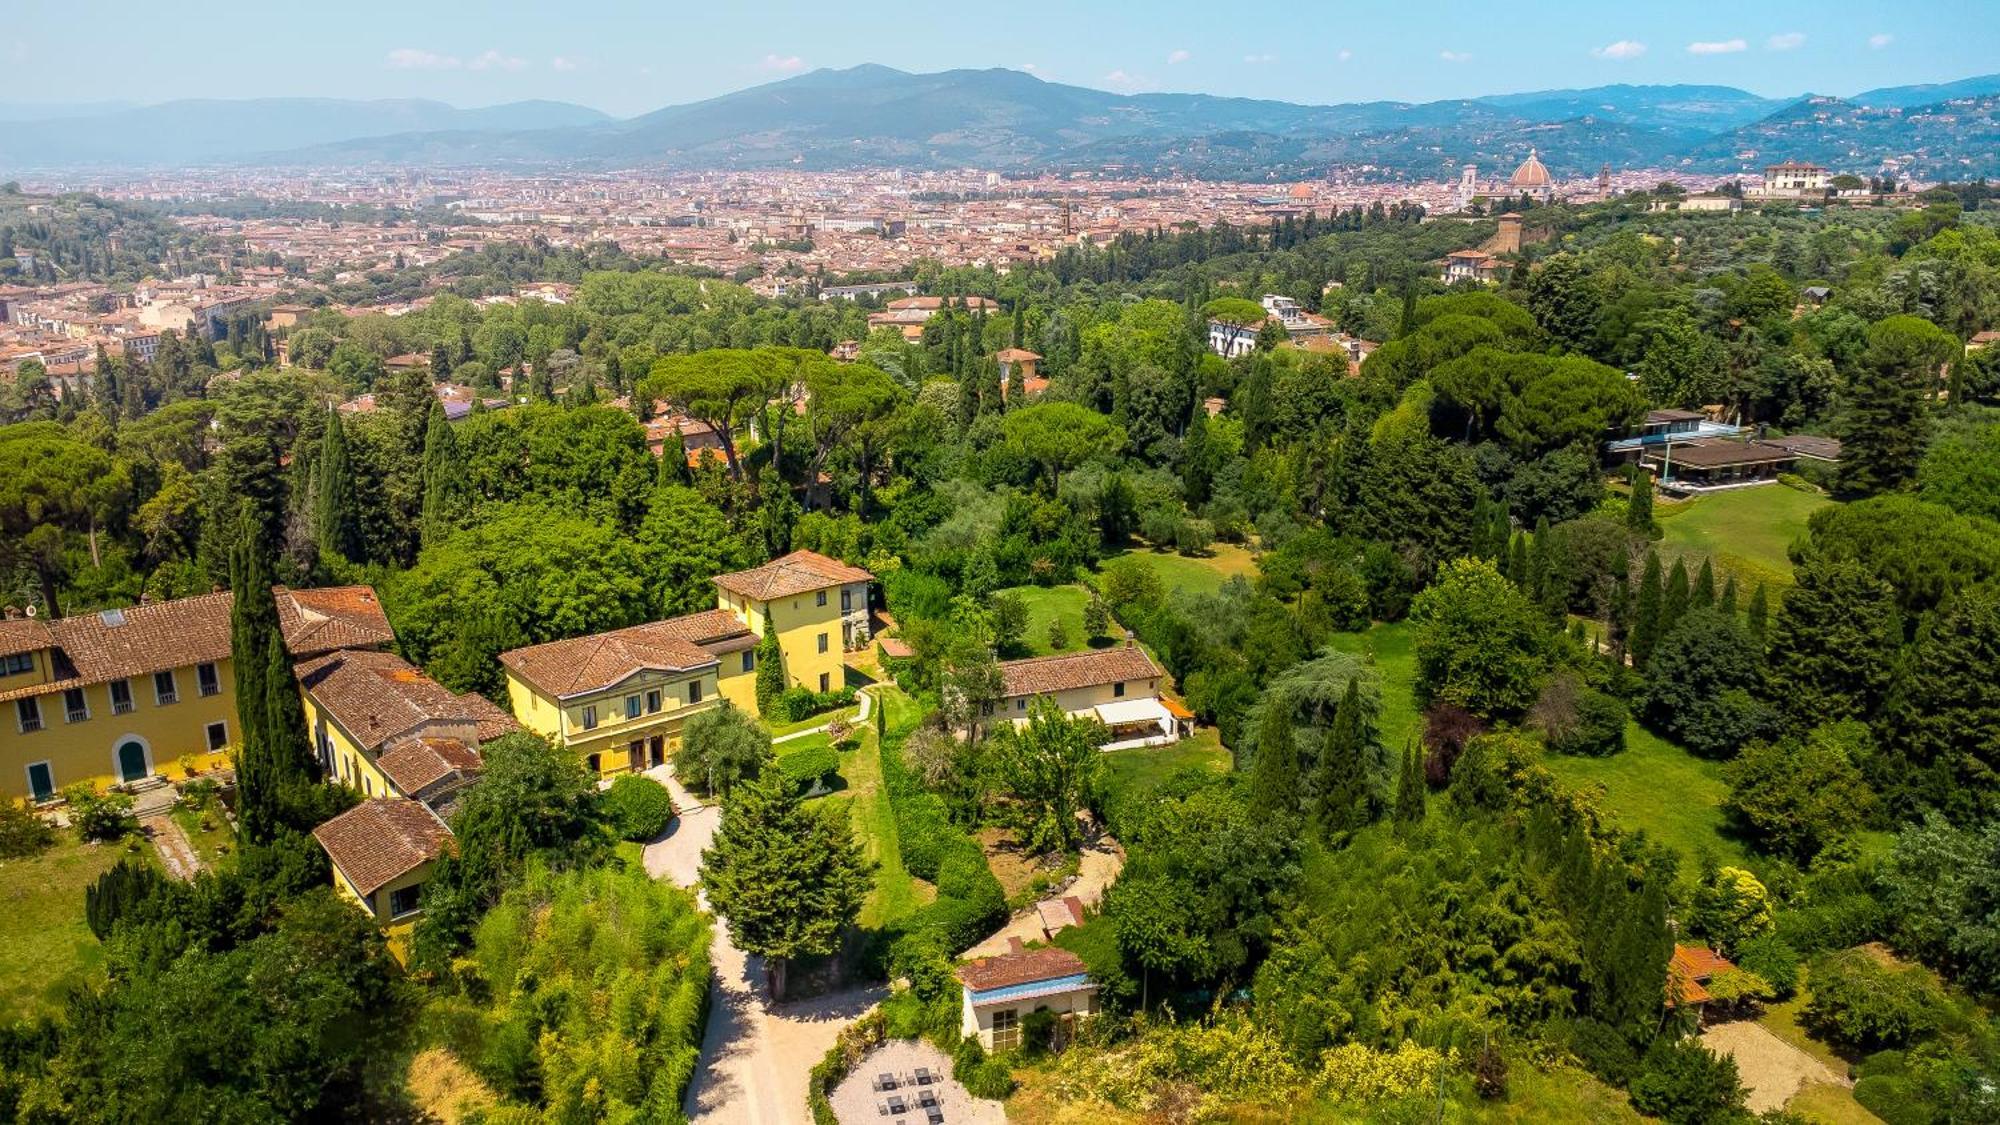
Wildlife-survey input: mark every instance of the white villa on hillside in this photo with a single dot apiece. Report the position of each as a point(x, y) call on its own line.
point(1119, 687)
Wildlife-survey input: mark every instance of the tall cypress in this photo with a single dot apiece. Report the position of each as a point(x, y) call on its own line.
point(1704, 587)
point(1646, 614)
point(335, 527)
point(1517, 561)
point(1759, 616)
point(444, 478)
point(1674, 603)
point(1411, 790)
point(1639, 509)
point(253, 620)
point(1274, 772)
point(1728, 602)
point(1342, 784)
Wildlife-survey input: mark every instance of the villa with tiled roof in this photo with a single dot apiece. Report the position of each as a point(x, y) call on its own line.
point(1119, 686)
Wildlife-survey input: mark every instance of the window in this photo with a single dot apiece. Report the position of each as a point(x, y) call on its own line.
point(218, 737)
point(1118, 690)
point(822, 642)
point(164, 691)
point(29, 711)
point(591, 762)
point(17, 663)
point(694, 691)
point(653, 700)
point(822, 597)
point(121, 696)
point(631, 706)
point(75, 707)
point(41, 781)
point(749, 661)
point(590, 717)
point(206, 679)
point(846, 600)
point(1021, 704)
point(1006, 1030)
point(368, 785)
point(403, 901)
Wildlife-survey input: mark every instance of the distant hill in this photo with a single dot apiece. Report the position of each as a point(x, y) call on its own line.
point(877, 116)
point(196, 131)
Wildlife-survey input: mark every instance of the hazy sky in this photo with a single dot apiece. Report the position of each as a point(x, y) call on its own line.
point(631, 57)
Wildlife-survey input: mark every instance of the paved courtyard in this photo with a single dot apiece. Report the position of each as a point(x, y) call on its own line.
point(856, 1102)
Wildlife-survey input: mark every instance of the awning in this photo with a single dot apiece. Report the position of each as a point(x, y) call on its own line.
point(1124, 712)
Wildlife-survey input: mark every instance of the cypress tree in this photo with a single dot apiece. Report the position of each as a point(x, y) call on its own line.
point(770, 669)
point(1704, 587)
point(334, 524)
point(286, 738)
point(674, 460)
point(253, 619)
point(1674, 603)
point(444, 478)
point(1411, 789)
point(1646, 614)
point(1728, 602)
point(1639, 510)
point(1517, 561)
point(1759, 616)
point(1343, 781)
point(1274, 773)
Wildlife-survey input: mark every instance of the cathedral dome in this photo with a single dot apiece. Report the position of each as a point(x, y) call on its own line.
point(1531, 174)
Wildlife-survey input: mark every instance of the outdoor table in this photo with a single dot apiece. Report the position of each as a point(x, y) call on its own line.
point(924, 1077)
point(885, 1081)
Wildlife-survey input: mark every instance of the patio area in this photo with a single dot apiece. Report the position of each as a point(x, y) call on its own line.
point(919, 1090)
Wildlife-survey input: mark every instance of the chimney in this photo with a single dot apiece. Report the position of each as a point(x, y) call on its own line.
point(1013, 944)
point(1128, 638)
point(11, 613)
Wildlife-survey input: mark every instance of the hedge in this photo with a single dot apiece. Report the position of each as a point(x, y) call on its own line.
point(639, 808)
point(970, 902)
point(806, 767)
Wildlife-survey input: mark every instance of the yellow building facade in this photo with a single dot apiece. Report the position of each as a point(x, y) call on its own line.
point(128, 696)
point(817, 605)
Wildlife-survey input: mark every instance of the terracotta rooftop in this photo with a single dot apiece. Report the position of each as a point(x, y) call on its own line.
point(1691, 968)
point(800, 572)
point(378, 697)
point(1028, 967)
point(582, 665)
point(419, 763)
point(115, 644)
point(1045, 675)
point(380, 840)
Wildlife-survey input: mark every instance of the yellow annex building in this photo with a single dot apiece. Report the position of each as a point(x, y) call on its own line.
point(128, 696)
point(620, 699)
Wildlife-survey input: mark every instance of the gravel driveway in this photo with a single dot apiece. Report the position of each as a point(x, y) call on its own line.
point(1771, 1069)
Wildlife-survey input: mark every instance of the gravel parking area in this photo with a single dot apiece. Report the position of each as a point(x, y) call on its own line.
point(856, 1102)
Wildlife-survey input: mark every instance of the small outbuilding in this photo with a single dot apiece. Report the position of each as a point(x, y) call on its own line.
point(1001, 992)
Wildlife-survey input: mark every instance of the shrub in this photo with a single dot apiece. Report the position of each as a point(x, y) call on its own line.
point(1489, 1073)
point(1859, 1002)
point(1687, 1084)
point(1352, 1072)
point(1773, 960)
point(1193, 537)
point(796, 703)
point(807, 768)
point(23, 832)
point(1603, 1050)
point(1058, 635)
point(1890, 1097)
point(638, 808)
point(981, 1075)
point(98, 816)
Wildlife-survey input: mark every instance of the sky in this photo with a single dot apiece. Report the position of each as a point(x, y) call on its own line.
point(627, 58)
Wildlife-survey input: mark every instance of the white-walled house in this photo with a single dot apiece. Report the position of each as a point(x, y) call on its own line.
point(1118, 686)
point(1001, 992)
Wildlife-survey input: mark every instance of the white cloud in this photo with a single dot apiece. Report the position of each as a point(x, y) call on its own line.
point(1788, 41)
point(1718, 47)
point(494, 60)
point(1455, 56)
point(1031, 68)
point(564, 63)
point(1259, 60)
point(1623, 49)
point(413, 58)
point(1179, 56)
point(1344, 54)
point(1880, 40)
point(783, 64)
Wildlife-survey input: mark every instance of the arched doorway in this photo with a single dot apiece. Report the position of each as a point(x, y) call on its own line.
point(131, 759)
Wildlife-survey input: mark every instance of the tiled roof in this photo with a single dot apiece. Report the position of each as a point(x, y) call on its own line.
point(800, 572)
point(581, 665)
point(23, 634)
point(1691, 968)
point(142, 639)
point(1045, 675)
point(1028, 967)
point(378, 697)
point(380, 840)
point(419, 763)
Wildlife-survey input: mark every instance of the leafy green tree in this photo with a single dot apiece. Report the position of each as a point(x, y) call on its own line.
point(1342, 783)
point(786, 878)
point(1010, 620)
point(1685, 1083)
point(1859, 1002)
point(1883, 429)
point(721, 749)
point(1275, 774)
point(1051, 767)
point(1564, 299)
point(1961, 467)
point(50, 485)
point(1480, 644)
point(687, 540)
point(1096, 617)
point(1798, 796)
point(1941, 726)
point(1059, 436)
point(1834, 645)
point(719, 386)
point(1699, 683)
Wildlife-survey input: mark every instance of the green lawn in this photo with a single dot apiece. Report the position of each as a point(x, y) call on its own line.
point(1659, 787)
point(1203, 575)
point(44, 941)
point(1390, 649)
point(1130, 772)
point(214, 845)
point(896, 892)
point(1053, 603)
point(1747, 532)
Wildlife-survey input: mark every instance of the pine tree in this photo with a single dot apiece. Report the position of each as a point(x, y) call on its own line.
point(335, 527)
point(444, 479)
point(1639, 510)
point(1674, 603)
point(1274, 773)
point(770, 669)
point(1759, 616)
point(1411, 789)
point(1704, 587)
point(1728, 601)
point(1646, 613)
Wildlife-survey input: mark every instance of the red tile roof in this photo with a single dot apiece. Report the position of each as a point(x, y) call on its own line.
point(378, 697)
point(1691, 968)
point(1046, 675)
point(379, 841)
point(419, 763)
point(1027, 967)
point(800, 572)
point(580, 665)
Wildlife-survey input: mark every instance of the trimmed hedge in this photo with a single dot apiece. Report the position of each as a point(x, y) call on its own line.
point(970, 902)
point(639, 808)
point(806, 767)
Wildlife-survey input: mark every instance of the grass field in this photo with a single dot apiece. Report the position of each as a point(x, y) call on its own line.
point(1659, 787)
point(1746, 532)
point(44, 941)
point(1203, 575)
point(1133, 771)
point(1389, 648)
point(1053, 603)
point(896, 892)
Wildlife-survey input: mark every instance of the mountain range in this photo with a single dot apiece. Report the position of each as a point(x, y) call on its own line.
point(1005, 119)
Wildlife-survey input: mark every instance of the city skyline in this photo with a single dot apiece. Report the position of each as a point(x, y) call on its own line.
point(628, 59)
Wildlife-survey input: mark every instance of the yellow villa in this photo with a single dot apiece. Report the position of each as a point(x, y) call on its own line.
point(620, 699)
point(383, 851)
point(818, 605)
point(133, 696)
